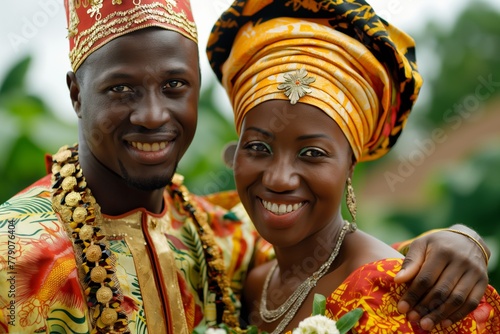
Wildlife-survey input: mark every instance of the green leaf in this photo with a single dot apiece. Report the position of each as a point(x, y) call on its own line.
point(348, 321)
point(14, 80)
point(25, 107)
point(319, 304)
point(226, 328)
point(253, 330)
point(200, 330)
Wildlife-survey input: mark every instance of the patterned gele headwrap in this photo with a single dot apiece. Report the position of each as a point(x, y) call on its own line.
point(336, 55)
point(93, 23)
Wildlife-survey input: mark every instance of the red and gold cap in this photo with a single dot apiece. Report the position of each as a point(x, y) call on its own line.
point(93, 23)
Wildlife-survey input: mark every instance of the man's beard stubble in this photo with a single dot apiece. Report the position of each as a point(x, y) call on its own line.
point(146, 184)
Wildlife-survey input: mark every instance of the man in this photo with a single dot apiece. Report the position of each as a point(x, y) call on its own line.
point(110, 241)
point(137, 115)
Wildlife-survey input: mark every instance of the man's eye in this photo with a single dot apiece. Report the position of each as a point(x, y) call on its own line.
point(173, 84)
point(121, 89)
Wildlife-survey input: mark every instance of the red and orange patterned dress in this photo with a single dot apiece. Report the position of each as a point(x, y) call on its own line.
point(372, 288)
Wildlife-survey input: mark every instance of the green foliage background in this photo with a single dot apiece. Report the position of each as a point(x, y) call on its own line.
point(468, 193)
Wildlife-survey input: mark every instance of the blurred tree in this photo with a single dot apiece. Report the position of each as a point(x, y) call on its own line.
point(28, 130)
point(465, 79)
point(203, 165)
point(467, 66)
point(467, 193)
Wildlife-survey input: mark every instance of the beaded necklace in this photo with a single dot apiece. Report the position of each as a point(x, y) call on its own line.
point(72, 200)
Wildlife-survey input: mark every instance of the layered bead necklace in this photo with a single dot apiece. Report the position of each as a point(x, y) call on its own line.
point(72, 200)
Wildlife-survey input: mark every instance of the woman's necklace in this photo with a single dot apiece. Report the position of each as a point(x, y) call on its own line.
point(293, 303)
point(72, 200)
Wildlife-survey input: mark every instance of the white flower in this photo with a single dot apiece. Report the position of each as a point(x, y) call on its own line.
point(318, 324)
point(216, 331)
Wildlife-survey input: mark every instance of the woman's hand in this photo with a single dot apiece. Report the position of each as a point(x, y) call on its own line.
point(448, 276)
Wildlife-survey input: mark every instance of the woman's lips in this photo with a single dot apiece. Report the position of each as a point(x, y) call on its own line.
point(281, 208)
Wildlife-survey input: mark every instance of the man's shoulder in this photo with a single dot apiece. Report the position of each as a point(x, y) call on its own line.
point(224, 199)
point(33, 200)
point(43, 184)
point(217, 205)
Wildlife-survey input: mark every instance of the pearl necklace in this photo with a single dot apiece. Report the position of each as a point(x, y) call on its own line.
point(296, 299)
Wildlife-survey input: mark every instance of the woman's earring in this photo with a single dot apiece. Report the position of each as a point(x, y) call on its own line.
point(351, 203)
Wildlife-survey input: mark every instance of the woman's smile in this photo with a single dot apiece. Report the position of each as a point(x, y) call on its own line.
point(281, 209)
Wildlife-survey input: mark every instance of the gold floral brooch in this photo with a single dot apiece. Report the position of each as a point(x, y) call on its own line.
point(296, 85)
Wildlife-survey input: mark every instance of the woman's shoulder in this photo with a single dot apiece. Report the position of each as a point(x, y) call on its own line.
point(361, 248)
point(380, 273)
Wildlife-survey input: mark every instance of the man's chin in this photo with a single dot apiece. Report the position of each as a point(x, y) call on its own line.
point(148, 184)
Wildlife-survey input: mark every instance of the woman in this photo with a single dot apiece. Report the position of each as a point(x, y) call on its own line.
point(316, 87)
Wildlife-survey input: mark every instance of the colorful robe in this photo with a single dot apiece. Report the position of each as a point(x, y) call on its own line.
point(372, 288)
point(40, 289)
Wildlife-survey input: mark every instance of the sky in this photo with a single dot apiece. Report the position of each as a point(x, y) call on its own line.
point(37, 27)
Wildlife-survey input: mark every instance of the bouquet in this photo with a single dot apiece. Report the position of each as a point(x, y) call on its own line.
point(317, 323)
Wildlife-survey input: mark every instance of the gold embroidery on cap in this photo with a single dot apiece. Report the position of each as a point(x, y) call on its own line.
point(296, 85)
point(120, 22)
point(95, 8)
point(73, 18)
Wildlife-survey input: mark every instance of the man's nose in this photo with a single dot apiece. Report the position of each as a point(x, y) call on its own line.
point(151, 111)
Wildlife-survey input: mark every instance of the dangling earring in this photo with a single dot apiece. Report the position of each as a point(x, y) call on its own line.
point(351, 203)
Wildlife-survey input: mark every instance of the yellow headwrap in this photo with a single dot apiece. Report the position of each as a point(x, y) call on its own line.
point(308, 59)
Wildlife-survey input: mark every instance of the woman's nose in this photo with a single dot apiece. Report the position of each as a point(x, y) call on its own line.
point(281, 175)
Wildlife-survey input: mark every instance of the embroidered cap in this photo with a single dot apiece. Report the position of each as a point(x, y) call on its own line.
point(93, 23)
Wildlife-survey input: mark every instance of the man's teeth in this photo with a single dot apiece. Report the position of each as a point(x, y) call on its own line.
point(150, 147)
point(280, 209)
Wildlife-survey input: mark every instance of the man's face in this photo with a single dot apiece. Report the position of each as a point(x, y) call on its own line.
point(137, 104)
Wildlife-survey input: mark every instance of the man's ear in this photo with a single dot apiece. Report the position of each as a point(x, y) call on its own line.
point(74, 92)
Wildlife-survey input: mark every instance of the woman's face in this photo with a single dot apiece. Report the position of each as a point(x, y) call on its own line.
point(290, 167)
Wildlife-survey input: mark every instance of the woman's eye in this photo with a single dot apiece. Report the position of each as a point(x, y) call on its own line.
point(173, 84)
point(121, 89)
point(258, 147)
point(312, 152)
